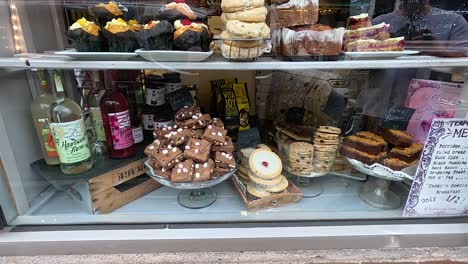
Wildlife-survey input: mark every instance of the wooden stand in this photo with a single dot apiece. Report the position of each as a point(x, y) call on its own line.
point(109, 185)
point(291, 196)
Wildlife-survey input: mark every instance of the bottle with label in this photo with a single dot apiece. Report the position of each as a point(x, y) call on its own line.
point(156, 107)
point(68, 130)
point(94, 99)
point(40, 113)
point(128, 89)
point(172, 81)
point(117, 125)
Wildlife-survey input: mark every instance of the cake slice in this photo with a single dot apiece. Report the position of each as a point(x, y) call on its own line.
point(366, 145)
point(377, 32)
point(367, 134)
point(360, 21)
point(407, 154)
point(396, 138)
point(397, 164)
point(368, 45)
point(363, 157)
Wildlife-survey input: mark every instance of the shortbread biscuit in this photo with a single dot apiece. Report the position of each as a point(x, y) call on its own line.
point(239, 5)
point(329, 129)
point(239, 29)
point(254, 190)
point(265, 164)
point(257, 14)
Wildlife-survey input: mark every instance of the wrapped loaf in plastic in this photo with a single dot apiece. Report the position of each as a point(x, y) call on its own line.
point(294, 13)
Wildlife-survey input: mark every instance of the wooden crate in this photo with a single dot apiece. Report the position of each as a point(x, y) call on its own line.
point(109, 185)
point(293, 195)
point(114, 189)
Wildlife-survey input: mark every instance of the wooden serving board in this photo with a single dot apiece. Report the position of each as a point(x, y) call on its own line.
point(291, 196)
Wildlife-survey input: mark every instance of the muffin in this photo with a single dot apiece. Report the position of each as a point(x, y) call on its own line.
point(191, 36)
point(105, 12)
point(156, 35)
point(120, 36)
point(86, 36)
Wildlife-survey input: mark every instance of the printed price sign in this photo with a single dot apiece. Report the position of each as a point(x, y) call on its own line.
point(440, 186)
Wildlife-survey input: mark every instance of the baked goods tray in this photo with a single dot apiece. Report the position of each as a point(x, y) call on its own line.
point(98, 56)
point(291, 196)
point(173, 55)
point(383, 172)
point(186, 185)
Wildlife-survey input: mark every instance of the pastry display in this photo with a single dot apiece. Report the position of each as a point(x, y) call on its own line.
point(86, 36)
point(301, 155)
point(243, 38)
point(317, 40)
point(294, 13)
point(359, 21)
point(392, 148)
point(326, 143)
point(362, 36)
point(120, 36)
point(156, 35)
point(104, 12)
point(191, 36)
point(391, 44)
point(181, 155)
point(176, 11)
point(265, 174)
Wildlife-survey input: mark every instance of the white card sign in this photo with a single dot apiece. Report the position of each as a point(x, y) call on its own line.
point(440, 186)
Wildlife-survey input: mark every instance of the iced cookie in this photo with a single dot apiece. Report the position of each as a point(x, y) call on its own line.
point(239, 5)
point(257, 14)
point(265, 164)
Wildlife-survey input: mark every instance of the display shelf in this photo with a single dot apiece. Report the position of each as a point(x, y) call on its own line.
point(217, 63)
point(340, 200)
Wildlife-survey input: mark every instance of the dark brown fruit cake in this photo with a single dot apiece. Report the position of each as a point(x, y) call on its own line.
point(396, 138)
point(407, 154)
point(366, 145)
point(363, 157)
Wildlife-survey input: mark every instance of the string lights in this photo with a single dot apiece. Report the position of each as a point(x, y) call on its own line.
point(16, 26)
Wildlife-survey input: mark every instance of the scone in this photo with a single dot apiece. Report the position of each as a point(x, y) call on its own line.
point(239, 5)
point(227, 39)
point(233, 52)
point(239, 29)
point(257, 14)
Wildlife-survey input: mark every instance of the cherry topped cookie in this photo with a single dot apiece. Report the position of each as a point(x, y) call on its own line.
point(265, 164)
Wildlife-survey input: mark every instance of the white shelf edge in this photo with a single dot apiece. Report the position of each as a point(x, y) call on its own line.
point(265, 63)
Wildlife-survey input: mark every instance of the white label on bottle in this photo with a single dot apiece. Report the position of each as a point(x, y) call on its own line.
point(155, 96)
point(163, 124)
point(138, 134)
point(148, 122)
point(172, 87)
point(121, 129)
point(58, 81)
point(71, 141)
point(96, 123)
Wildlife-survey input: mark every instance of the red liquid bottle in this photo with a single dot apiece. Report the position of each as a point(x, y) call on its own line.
point(117, 124)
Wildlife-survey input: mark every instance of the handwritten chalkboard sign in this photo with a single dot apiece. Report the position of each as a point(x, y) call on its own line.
point(397, 117)
point(179, 99)
point(440, 186)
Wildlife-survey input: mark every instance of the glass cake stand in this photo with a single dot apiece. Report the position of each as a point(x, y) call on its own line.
point(308, 184)
point(195, 195)
point(376, 191)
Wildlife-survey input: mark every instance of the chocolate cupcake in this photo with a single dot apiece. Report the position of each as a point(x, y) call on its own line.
point(120, 35)
point(176, 11)
point(156, 35)
point(86, 36)
point(106, 12)
point(191, 36)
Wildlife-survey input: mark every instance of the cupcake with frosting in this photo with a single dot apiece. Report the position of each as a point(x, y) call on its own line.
point(120, 35)
point(191, 36)
point(156, 35)
point(104, 12)
point(86, 36)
